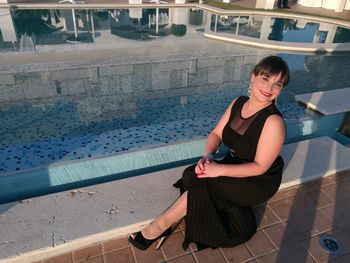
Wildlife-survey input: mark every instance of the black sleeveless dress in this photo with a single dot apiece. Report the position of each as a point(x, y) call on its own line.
point(219, 210)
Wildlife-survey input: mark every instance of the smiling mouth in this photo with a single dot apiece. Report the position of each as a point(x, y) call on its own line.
point(265, 93)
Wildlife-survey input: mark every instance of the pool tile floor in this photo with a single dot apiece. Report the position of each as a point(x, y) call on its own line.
point(289, 231)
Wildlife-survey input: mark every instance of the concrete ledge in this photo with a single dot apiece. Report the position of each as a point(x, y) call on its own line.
point(311, 159)
point(46, 226)
point(327, 102)
point(280, 45)
point(274, 12)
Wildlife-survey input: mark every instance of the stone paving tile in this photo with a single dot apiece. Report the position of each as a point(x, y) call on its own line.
point(278, 196)
point(339, 213)
point(288, 192)
point(343, 208)
point(343, 259)
point(279, 235)
point(268, 218)
point(292, 254)
point(173, 246)
point(322, 223)
point(329, 211)
point(328, 180)
point(317, 198)
point(260, 245)
point(339, 191)
point(209, 256)
point(237, 254)
point(149, 255)
point(330, 191)
point(314, 185)
point(345, 227)
point(281, 208)
point(308, 224)
point(121, 256)
point(87, 253)
point(182, 225)
point(301, 204)
point(321, 255)
point(114, 244)
point(183, 259)
point(179, 226)
point(341, 176)
point(95, 260)
point(67, 258)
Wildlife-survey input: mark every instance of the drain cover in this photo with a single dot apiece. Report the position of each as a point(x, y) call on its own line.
point(330, 244)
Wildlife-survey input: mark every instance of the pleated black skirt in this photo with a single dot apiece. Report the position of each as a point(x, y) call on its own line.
point(219, 210)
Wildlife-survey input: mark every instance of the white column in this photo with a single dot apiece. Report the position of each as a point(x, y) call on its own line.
point(265, 27)
point(310, 3)
point(74, 24)
point(6, 26)
point(266, 4)
point(179, 16)
point(347, 5)
point(135, 12)
point(337, 5)
point(331, 33)
point(340, 6)
point(207, 21)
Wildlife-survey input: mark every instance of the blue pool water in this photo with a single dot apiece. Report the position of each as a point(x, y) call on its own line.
point(35, 134)
point(58, 133)
point(93, 94)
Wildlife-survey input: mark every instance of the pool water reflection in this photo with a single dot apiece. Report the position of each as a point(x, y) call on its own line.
point(84, 84)
point(32, 30)
point(280, 29)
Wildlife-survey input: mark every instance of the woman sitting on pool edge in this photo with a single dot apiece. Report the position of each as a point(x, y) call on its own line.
point(217, 196)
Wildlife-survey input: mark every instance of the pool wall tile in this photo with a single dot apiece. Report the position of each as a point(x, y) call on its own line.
point(7, 79)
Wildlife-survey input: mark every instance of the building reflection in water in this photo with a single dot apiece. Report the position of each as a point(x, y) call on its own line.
point(84, 76)
point(257, 27)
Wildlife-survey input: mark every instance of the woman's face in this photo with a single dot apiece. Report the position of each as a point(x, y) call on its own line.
point(266, 88)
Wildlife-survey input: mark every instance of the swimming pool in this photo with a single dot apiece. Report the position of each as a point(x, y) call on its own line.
point(107, 103)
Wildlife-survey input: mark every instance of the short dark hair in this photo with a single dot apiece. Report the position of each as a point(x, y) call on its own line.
point(271, 66)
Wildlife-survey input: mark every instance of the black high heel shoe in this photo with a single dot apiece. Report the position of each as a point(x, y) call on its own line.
point(143, 243)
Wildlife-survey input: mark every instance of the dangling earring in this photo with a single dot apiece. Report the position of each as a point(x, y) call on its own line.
point(249, 89)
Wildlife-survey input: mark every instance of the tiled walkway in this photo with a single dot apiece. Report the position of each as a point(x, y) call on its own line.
point(289, 231)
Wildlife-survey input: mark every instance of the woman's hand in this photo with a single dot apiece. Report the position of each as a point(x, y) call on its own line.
point(211, 169)
point(199, 169)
